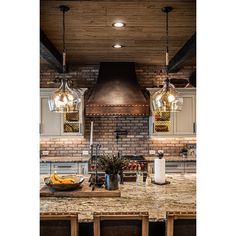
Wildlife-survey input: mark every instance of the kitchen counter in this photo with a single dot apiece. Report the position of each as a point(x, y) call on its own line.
point(179, 195)
point(85, 159)
point(64, 159)
point(171, 158)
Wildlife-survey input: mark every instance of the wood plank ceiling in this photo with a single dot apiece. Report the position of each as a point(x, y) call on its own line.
point(90, 35)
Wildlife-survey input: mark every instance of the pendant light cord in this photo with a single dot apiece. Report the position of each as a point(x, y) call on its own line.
point(167, 42)
point(64, 50)
point(167, 10)
point(64, 9)
point(167, 52)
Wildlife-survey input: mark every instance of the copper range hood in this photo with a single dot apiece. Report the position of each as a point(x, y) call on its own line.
point(117, 92)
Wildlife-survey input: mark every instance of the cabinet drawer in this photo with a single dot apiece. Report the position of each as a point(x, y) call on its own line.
point(190, 167)
point(174, 167)
point(65, 168)
point(180, 167)
point(44, 168)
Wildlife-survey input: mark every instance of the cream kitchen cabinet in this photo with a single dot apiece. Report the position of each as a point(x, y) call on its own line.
point(185, 121)
point(176, 124)
point(50, 122)
point(184, 166)
point(64, 168)
point(57, 124)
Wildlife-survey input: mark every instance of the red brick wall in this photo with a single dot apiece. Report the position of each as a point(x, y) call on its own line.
point(137, 141)
point(170, 146)
point(85, 76)
point(133, 143)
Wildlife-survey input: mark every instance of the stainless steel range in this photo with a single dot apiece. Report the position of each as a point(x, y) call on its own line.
point(136, 162)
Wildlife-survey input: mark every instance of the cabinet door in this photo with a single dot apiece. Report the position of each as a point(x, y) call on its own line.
point(181, 123)
point(50, 121)
point(58, 124)
point(184, 121)
point(83, 168)
point(72, 123)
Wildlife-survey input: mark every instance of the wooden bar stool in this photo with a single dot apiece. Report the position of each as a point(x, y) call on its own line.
point(121, 223)
point(180, 223)
point(58, 224)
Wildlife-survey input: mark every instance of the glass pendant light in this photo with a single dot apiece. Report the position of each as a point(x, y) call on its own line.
point(64, 99)
point(167, 99)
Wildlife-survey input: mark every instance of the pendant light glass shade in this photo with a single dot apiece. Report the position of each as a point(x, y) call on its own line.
point(167, 99)
point(64, 99)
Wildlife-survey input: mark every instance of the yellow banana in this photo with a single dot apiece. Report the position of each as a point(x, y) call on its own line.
point(67, 181)
point(55, 179)
point(70, 180)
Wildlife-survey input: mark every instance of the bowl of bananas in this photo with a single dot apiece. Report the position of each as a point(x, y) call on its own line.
point(63, 183)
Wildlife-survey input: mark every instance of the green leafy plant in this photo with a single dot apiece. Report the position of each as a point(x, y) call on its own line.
point(112, 164)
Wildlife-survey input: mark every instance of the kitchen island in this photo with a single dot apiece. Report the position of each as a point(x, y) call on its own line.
point(179, 195)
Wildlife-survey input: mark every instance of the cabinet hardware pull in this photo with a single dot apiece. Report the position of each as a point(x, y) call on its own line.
point(64, 166)
point(194, 127)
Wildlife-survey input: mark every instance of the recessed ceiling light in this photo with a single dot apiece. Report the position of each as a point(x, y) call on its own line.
point(118, 24)
point(117, 46)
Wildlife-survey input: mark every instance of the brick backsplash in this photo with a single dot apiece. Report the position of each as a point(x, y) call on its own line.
point(137, 140)
point(133, 143)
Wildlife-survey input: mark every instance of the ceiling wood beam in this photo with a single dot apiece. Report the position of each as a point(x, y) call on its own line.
point(186, 52)
point(49, 52)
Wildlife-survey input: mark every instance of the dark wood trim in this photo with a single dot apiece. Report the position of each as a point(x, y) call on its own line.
point(49, 52)
point(186, 52)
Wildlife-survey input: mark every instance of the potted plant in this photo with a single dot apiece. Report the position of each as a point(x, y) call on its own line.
point(112, 165)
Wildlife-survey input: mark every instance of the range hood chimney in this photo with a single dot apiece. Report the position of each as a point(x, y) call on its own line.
point(117, 92)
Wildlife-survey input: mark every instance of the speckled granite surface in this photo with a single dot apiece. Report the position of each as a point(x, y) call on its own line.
point(64, 159)
point(85, 159)
point(179, 195)
point(171, 158)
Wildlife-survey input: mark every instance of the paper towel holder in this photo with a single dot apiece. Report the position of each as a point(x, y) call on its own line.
point(160, 154)
point(166, 182)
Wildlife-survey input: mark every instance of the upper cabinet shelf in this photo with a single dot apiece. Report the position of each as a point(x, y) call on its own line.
point(60, 124)
point(183, 123)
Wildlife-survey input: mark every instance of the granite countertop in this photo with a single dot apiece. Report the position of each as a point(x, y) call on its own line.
point(171, 158)
point(86, 158)
point(179, 195)
point(64, 159)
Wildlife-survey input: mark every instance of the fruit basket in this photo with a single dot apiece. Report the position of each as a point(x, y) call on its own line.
point(64, 183)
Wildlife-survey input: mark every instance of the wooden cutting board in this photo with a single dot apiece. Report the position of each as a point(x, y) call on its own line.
point(83, 191)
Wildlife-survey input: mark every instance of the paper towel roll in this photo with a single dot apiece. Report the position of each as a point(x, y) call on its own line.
point(159, 170)
point(91, 134)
